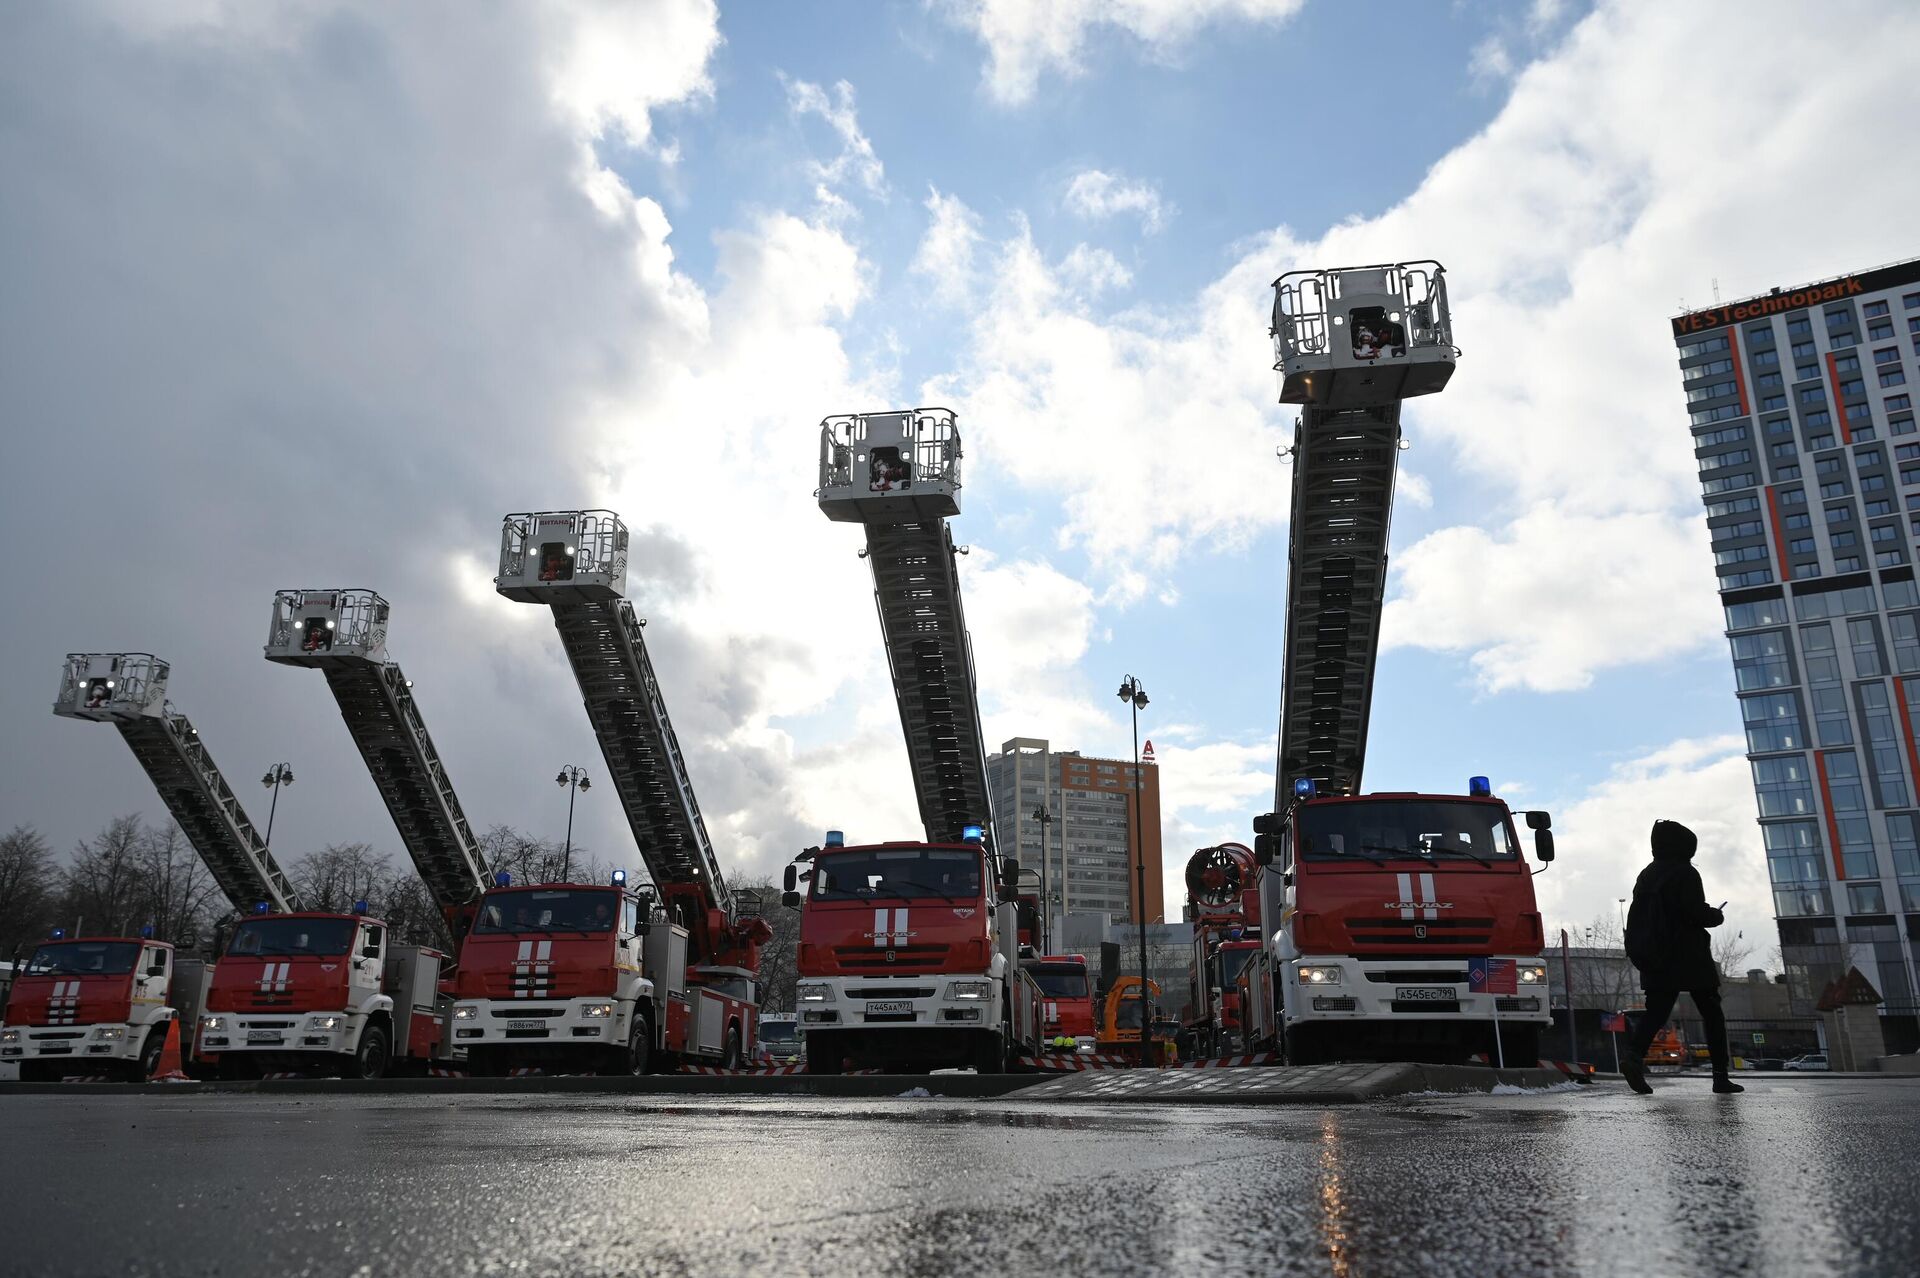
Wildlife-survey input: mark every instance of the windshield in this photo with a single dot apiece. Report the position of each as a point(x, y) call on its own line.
point(778, 1031)
point(1061, 982)
point(293, 936)
point(549, 910)
point(1404, 829)
point(1232, 963)
point(85, 958)
point(898, 874)
point(1128, 1017)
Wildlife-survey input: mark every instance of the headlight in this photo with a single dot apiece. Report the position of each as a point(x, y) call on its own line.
point(1535, 974)
point(213, 1022)
point(1327, 975)
point(813, 992)
point(970, 991)
point(597, 1011)
point(110, 1031)
point(465, 1012)
point(9, 1036)
point(326, 1022)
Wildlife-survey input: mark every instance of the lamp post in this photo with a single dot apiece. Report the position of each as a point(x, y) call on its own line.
point(1045, 818)
point(575, 779)
point(278, 775)
point(1136, 696)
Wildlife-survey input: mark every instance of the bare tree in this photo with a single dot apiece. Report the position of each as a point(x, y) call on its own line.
point(104, 888)
point(26, 887)
point(1732, 952)
point(778, 957)
point(181, 895)
point(531, 859)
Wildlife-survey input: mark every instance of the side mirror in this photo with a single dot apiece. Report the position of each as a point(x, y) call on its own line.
point(1010, 873)
point(158, 969)
point(1543, 845)
point(790, 898)
point(1539, 820)
point(643, 929)
point(1263, 849)
point(370, 950)
point(791, 881)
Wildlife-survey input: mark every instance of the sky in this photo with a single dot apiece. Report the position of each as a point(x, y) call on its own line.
point(311, 295)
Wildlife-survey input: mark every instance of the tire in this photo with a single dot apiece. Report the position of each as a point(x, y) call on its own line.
point(1523, 1047)
point(1301, 1048)
point(730, 1056)
point(823, 1055)
point(230, 1071)
point(370, 1058)
point(139, 1071)
point(990, 1055)
point(637, 1059)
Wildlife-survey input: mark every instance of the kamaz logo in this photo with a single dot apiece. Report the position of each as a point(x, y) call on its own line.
point(1417, 905)
point(1417, 897)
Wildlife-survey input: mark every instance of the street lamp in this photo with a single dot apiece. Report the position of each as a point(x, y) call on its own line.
point(1136, 696)
point(1045, 818)
point(278, 775)
point(575, 779)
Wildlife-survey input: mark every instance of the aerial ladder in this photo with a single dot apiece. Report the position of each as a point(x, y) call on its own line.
point(897, 474)
point(343, 633)
point(129, 690)
point(1399, 925)
point(1350, 346)
point(575, 563)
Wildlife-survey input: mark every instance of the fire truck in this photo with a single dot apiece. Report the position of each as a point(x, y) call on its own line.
point(604, 975)
point(1068, 1021)
point(1223, 899)
point(90, 1004)
point(1403, 926)
point(295, 989)
point(909, 953)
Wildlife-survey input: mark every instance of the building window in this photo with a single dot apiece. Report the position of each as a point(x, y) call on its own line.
point(1887, 355)
point(1879, 332)
point(1839, 319)
point(1704, 346)
point(1762, 661)
point(1799, 326)
point(1761, 612)
point(1898, 403)
point(1783, 786)
point(1732, 506)
point(1889, 776)
point(1864, 637)
point(1846, 537)
point(1727, 483)
point(1892, 377)
point(1843, 782)
point(1830, 719)
point(1793, 523)
point(1800, 546)
point(1866, 898)
point(1794, 866)
point(1806, 372)
point(1768, 358)
point(1873, 310)
point(1792, 496)
point(1772, 722)
point(1780, 428)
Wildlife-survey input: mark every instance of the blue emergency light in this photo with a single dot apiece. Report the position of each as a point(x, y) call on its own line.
point(1304, 788)
point(836, 838)
point(146, 933)
point(359, 907)
point(503, 879)
point(1479, 787)
point(59, 934)
point(259, 907)
point(972, 834)
point(619, 878)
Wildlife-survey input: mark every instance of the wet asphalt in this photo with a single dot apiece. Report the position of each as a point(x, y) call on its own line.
point(1814, 1176)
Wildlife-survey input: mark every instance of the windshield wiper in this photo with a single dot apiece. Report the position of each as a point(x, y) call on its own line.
point(1466, 852)
point(932, 891)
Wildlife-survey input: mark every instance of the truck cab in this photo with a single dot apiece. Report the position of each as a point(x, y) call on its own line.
point(89, 1005)
point(304, 990)
point(906, 962)
point(1121, 1013)
point(1066, 1002)
point(1407, 930)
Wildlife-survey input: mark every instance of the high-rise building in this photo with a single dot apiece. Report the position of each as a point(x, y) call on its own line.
point(1089, 853)
point(1801, 404)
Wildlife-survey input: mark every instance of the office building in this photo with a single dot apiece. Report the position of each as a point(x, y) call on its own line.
point(1801, 407)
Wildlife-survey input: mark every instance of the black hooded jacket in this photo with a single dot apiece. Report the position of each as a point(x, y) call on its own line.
point(1667, 927)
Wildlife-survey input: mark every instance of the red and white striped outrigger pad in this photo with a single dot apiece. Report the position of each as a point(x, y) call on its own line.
point(1232, 1062)
point(766, 1071)
point(1075, 1062)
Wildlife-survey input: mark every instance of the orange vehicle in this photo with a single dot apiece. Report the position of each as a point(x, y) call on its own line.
point(1668, 1048)
point(1120, 1013)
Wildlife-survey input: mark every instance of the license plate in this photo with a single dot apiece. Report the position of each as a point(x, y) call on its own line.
point(1424, 994)
point(889, 1005)
point(263, 1036)
point(525, 1025)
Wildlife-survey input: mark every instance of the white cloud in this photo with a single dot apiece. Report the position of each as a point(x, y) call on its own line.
point(1602, 837)
point(1097, 195)
point(1026, 41)
point(1090, 271)
point(1490, 60)
point(945, 255)
point(856, 161)
point(613, 64)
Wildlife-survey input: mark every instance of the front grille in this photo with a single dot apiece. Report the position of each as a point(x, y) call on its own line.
point(904, 958)
point(263, 1025)
point(875, 1018)
point(1421, 1006)
point(525, 1013)
point(533, 1033)
point(58, 1034)
point(882, 991)
point(1516, 1004)
point(1440, 931)
point(1417, 976)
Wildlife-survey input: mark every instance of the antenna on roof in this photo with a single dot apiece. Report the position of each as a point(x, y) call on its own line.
point(1716, 290)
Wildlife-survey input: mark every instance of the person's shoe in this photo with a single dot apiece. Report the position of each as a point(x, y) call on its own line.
point(1636, 1075)
point(1725, 1085)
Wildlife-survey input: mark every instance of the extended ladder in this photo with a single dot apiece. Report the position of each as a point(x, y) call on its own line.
point(1350, 345)
point(129, 690)
point(898, 475)
point(344, 634)
point(575, 562)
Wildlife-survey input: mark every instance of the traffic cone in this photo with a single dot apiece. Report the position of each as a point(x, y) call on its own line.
point(170, 1069)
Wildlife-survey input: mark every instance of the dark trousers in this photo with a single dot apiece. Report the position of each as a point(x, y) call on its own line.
point(1660, 1006)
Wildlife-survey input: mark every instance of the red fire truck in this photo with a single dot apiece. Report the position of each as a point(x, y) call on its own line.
point(89, 1005)
point(907, 962)
point(304, 990)
point(1408, 930)
point(568, 975)
point(1068, 1020)
point(1224, 903)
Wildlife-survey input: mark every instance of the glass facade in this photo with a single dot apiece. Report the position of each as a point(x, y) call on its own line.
point(1811, 485)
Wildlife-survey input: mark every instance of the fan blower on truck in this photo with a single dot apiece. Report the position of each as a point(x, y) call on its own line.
point(1224, 901)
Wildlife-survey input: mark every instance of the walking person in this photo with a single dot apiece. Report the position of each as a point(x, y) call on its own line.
point(1667, 940)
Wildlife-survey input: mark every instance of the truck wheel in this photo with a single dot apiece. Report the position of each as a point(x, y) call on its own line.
point(823, 1055)
point(990, 1055)
point(156, 1041)
point(730, 1057)
point(638, 1058)
point(370, 1058)
point(1301, 1047)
